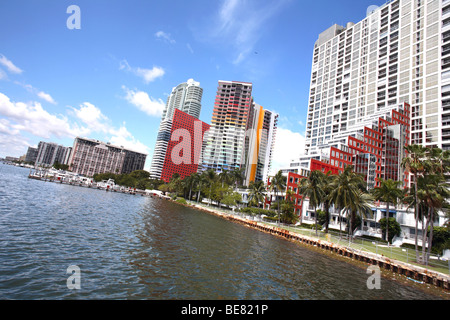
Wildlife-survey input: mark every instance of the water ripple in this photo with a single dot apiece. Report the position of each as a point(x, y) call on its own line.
point(133, 247)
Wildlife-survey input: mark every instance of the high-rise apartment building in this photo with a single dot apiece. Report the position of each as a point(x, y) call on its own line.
point(225, 142)
point(242, 133)
point(92, 156)
point(186, 97)
point(185, 146)
point(48, 153)
point(399, 53)
point(260, 142)
point(31, 155)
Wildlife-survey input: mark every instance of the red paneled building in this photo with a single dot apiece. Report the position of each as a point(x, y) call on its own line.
point(185, 146)
point(376, 153)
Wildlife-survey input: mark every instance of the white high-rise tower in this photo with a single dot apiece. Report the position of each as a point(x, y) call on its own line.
point(186, 97)
point(399, 53)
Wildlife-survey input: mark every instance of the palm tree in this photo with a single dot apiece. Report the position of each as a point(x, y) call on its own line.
point(193, 179)
point(362, 206)
point(224, 177)
point(257, 192)
point(327, 184)
point(278, 183)
point(345, 189)
point(388, 192)
point(433, 191)
point(202, 180)
point(414, 164)
point(312, 188)
point(237, 175)
point(211, 177)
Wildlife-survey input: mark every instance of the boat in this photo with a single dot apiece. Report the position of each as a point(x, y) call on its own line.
point(106, 184)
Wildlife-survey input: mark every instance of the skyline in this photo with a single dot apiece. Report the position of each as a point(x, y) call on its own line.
point(110, 79)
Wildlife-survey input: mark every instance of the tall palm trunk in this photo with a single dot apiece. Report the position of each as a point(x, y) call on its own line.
point(387, 222)
point(199, 189)
point(430, 237)
point(424, 238)
point(416, 213)
point(327, 215)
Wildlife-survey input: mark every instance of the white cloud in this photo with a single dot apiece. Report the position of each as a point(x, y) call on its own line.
point(288, 146)
point(165, 36)
point(9, 65)
point(122, 137)
point(97, 122)
point(32, 118)
point(92, 117)
point(17, 118)
point(148, 75)
point(46, 97)
point(141, 99)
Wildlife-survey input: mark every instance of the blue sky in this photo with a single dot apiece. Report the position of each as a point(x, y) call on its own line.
point(110, 79)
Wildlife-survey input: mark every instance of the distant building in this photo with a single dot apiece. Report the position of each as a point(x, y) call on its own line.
point(186, 97)
point(31, 155)
point(49, 153)
point(93, 156)
point(242, 133)
point(226, 140)
point(185, 146)
point(260, 143)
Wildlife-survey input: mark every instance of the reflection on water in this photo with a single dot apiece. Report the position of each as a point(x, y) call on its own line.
point(134, 247)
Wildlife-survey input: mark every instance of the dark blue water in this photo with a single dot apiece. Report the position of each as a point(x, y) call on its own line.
point(134, 247)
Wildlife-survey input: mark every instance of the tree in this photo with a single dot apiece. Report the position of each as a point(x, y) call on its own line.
point(345, 188)
point(60, 166)
point(237, 176)
point(360, 207)
point(224, 177)
point(441, 239)
point(433, 191)
point(232, 199)
point(210, 177)
point(390, 227)
point(202, 181)
point(193, 180)
point(312, 187)
point(278, 183)
point(414, 164)
point(257, 193)
point(327, 185)
point(389, 193)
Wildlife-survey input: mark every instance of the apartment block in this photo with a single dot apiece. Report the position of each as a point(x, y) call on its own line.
point(185, 146)
point(400, 53)
point(31, 155)
point(260, 141)
point(225, 141)
point(48, 153)
point(91, 156)
point(186, 97)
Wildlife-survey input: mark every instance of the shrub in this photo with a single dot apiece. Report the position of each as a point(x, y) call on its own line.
point(270, 218)
point(258, 211)
point(181, 200)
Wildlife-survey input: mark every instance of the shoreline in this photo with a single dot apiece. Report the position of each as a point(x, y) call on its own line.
point(411, 275)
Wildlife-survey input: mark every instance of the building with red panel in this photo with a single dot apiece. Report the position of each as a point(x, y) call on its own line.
point(292, 181)
point(376, 152)
point(185, 146)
